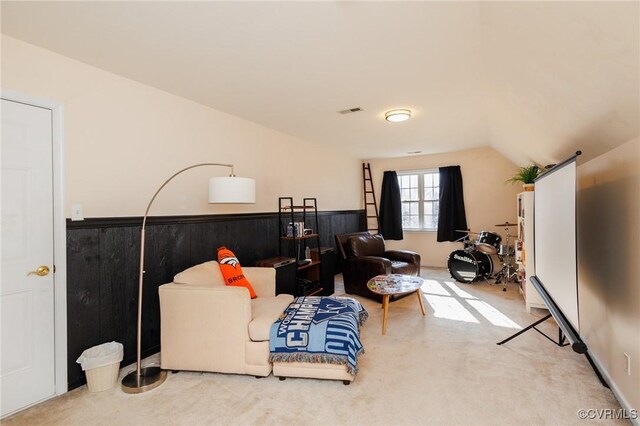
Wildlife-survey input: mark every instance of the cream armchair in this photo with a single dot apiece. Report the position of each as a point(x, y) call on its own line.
point(208, 326)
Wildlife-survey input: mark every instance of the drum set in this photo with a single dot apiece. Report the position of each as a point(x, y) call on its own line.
point(482, 256)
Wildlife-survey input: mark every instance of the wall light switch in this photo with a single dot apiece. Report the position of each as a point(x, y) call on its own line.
point(76, 212)
point(627, 360)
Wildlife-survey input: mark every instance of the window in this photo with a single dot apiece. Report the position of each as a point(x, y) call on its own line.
point(419, 192)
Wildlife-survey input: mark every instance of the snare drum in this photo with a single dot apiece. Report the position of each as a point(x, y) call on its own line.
point(506, 250)
point(488, 242)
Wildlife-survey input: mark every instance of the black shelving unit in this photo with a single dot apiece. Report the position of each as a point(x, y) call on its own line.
point(294, 240)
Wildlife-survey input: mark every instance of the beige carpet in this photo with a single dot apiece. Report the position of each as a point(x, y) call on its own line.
point(444, 368)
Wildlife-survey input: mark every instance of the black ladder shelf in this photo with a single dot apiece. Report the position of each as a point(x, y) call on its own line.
point(366, 177)
point(293, 242)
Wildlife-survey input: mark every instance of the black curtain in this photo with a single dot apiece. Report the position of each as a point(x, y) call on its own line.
point(390, 207)
point(451, 215)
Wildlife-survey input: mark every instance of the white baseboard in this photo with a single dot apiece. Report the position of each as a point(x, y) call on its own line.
point(616, 392)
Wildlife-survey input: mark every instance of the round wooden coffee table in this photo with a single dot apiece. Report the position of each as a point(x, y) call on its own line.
point(395, 284)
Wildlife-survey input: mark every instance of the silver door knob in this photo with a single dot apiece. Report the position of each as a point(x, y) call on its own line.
point(41, 271)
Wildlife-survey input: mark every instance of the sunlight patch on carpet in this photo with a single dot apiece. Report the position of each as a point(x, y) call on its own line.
point(434, 287)
point(457, 290)
point(493, 315)
point(449, 308)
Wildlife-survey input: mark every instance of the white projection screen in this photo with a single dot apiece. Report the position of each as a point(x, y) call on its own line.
point(555, 238)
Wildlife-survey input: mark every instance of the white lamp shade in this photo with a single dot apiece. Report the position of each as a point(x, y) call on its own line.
point(232, 189)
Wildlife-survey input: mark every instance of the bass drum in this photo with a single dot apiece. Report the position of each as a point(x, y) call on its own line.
point(470, 266)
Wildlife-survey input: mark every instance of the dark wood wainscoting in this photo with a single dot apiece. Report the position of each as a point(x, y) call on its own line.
point(103, 260)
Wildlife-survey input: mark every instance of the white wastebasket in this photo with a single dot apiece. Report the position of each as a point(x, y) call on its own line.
point(101, 365)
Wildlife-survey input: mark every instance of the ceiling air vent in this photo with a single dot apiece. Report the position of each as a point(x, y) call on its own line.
point(350, 110)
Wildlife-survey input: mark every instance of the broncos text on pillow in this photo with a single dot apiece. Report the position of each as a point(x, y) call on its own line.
point(232, 271)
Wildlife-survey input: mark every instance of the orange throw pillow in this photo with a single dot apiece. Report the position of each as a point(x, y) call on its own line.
point(232, 271)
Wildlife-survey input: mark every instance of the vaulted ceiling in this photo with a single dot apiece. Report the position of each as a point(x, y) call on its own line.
point(535, 80)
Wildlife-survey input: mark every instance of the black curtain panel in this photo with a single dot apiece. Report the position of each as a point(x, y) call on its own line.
point(451, 215)
point(390, 207)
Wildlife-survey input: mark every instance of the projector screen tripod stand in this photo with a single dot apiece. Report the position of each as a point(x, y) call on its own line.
point(565, 330)
point(562, 340)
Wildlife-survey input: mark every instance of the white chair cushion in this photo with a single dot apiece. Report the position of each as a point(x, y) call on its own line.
point(205, 274)
point(264, 312)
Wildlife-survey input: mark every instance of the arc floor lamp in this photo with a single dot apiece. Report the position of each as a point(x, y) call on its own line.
point(231, 189)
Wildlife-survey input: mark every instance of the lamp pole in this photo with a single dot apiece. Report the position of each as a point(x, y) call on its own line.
point(144, 379)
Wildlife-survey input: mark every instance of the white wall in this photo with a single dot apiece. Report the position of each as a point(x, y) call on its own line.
point(123, 139)
point(488, 199)
point(609, 266)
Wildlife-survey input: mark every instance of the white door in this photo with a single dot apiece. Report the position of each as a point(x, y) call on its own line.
point(26, 299)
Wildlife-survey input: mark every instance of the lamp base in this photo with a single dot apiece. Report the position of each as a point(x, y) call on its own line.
point(150, 378)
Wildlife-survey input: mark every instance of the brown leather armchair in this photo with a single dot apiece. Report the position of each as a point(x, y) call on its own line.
point(364, 256)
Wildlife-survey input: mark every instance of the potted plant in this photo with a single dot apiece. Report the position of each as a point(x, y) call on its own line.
point(526, 175)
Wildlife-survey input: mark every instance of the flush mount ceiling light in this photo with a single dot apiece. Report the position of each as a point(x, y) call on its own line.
point(397, 115)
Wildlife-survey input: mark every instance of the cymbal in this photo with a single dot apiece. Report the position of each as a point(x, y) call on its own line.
point(466, 230)
point(507, 224)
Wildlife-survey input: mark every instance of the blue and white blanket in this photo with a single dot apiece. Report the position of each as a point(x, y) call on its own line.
point(319, 329)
